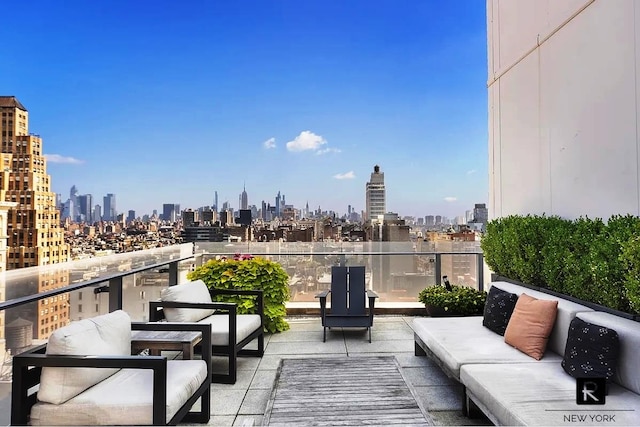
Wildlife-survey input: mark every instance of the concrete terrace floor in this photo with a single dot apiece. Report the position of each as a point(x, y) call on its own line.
point(245, 402)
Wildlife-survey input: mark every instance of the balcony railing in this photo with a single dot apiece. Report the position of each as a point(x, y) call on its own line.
point(36, 301)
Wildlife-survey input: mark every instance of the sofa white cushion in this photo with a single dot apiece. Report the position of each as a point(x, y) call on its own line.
point(628, 368)
point(566, 312)
point(245, 325)
point(541, 394)
point(195, 291)
point(105, 335)
point(456, 341)
point(125, 398)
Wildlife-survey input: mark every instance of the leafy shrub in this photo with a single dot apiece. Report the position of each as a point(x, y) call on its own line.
point(249, 274)
point(582, 258)
point(631, 259)
point(461, 300)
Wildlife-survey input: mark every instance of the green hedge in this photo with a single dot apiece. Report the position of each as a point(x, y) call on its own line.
point(585, 258)
point(250, 274)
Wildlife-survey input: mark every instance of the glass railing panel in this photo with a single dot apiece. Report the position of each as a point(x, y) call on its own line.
point(461, 269)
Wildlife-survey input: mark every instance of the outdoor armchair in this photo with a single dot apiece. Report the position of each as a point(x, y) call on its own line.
point(230, 331)
point(86, 375)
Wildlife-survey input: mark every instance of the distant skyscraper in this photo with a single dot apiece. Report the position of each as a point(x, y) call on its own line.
point(109, 207)
point(244, 199)
point(480, 213)
point(97, 213)
point(215, 201)
point(85, 208)
point(376, 202)
point(170, 212)
point(278, 205)
point(131, 216)
point(73, 196)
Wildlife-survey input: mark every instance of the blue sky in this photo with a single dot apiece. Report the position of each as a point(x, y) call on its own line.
point(166, 101)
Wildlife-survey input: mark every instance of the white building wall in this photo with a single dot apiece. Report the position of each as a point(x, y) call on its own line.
point(563, 107)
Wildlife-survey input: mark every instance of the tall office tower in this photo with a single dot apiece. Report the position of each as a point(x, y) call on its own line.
point(278, 204)
point(376, 201)
point(97, 213)
point(189, 217)
point(438, 219)
point(169, 212)
point(4, 211)
point(264, 211)
point(109, 207)
point(131, 216)
point(73, 196)
point(480, 213)
point(33, 225)
point(85, 208)
point(429, 220)
point(215, 201)
point(244, 199)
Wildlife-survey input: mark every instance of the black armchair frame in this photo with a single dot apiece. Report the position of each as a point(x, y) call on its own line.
point(232, 350)
point(27, 368)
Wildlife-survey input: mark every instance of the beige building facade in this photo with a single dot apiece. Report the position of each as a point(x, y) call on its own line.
point(34, 235)
point(564, 116)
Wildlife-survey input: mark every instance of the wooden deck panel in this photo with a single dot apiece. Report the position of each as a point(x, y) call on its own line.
point(345, 391)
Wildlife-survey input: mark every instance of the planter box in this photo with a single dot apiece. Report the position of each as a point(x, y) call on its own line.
point(438, 311)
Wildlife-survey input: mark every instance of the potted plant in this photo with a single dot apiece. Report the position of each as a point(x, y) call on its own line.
point(459, 301)
point(250, 273)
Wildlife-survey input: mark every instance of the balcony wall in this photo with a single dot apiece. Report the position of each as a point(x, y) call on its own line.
point(563, 107)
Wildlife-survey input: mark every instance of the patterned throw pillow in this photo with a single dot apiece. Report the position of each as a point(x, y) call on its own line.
point(498, 309)
point(591, 350)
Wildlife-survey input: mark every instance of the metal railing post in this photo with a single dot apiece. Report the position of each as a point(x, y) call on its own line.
point(438, 269)
point(173, 273)
point(115, 294)
point(480, 266)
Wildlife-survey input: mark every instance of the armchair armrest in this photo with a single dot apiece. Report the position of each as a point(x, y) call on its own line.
point(323, 303)
point(156, 314)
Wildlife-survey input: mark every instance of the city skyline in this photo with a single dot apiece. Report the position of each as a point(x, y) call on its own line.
point(166, 103)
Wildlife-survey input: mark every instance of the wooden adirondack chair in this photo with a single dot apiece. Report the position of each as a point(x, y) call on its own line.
point(348, 300)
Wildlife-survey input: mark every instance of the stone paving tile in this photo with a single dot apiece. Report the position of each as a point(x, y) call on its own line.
point(293, 336)
point(440, 398)
point(226, 402)
point(307, 347)
point(255, 402)
point(425, 377)
point(455, 418)
point(248, 420)
point(396, 346)
point(264, 379)
point(219, 421)
point(410, 360)
point(391, 334)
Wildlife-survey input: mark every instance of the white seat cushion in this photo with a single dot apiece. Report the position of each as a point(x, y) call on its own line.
point(245, 325)
point(195, 291)
point(105, 335)
point(542, 394)
point(456, 341)
point(125, 398)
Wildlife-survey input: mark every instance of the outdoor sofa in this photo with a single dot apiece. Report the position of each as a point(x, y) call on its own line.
point(513, 388)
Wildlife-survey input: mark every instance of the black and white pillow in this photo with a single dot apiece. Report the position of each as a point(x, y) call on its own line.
point(591, 350)
point(498, 309)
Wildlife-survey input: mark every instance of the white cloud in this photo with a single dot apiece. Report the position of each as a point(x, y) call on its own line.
point(348, 175)
point(307, 140)
point(328, 150)
point(471, 172)
point(57, 158)
point(269, 143)
point(450, 199)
